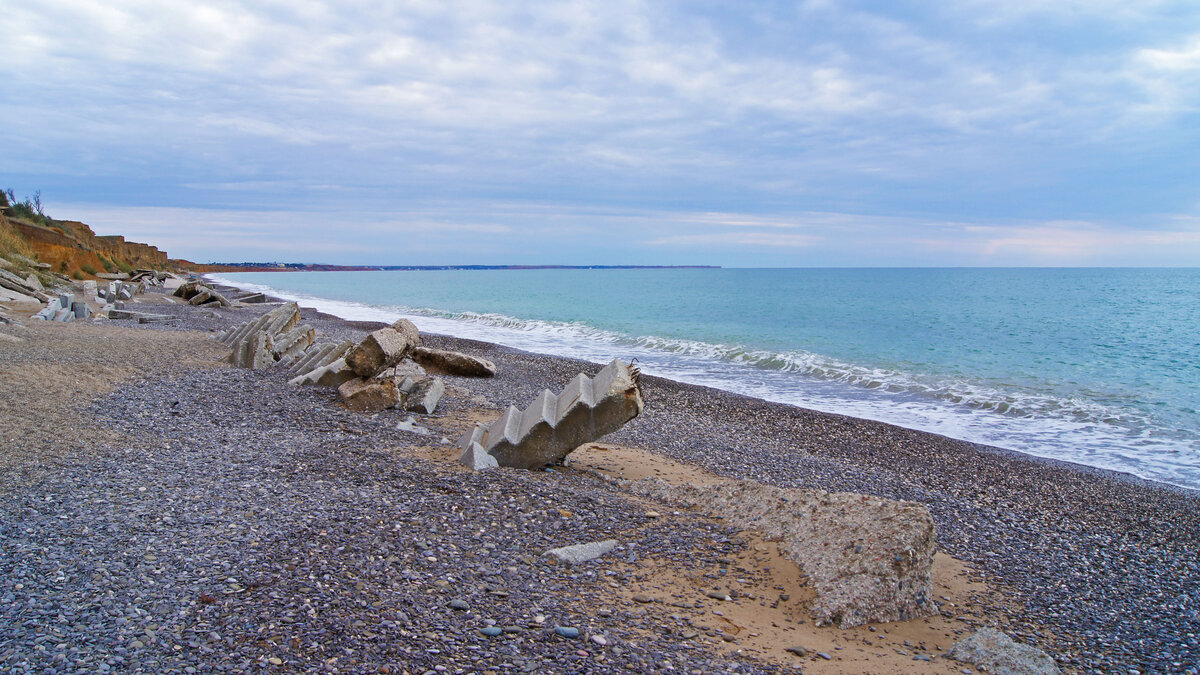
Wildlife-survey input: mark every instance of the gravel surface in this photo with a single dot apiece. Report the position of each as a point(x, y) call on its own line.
point(222, 521)
point(244, 517)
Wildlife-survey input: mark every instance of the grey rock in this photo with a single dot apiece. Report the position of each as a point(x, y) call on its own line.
point(1001, 655)
point(580, 553)
point(567, 631)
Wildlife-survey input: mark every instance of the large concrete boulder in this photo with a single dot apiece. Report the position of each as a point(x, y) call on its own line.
point(454, 363)
point(383, 348)
point(366, 395)
point(999, 654)
point(554, 425)
point(870, 559)
point(332, 374)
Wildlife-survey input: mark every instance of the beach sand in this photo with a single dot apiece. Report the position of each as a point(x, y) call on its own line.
point(161, 510)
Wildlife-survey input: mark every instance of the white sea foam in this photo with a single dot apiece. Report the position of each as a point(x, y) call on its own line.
point(1069, 429)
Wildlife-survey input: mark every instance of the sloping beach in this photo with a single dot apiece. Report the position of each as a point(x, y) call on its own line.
point(163, 511)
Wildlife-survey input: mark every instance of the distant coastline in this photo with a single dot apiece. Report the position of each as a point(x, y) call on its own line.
point(318, 267)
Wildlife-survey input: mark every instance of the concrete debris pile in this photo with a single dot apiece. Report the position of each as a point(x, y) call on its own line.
point(870, 559)
point(63, 307)
point(271, 338)
point(554, 425)
point(379, 372)
point(151, 277)
point(116, 291)
point(201, 294)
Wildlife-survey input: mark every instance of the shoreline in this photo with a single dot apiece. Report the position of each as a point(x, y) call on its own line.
point(1089, 555)
point(1026, 440)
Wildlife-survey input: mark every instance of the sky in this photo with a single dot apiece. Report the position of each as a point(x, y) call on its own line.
point(773, 134)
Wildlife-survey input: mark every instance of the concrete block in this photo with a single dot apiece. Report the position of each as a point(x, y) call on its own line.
point(453, 363)
point(366, 395)
point(381, 349)
point(554, 425)
point(477, 459)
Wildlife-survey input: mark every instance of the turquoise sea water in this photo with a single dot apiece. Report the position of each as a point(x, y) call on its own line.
point(1096, 366)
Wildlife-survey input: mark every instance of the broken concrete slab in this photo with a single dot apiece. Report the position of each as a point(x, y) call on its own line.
point(33, 282)
point(383, 348)
point(333, 374)
point(80, 310)
point(477, 459)
point(267, 339)
point(366, 395)
point(453, 363)
point(15, 283)
point(422, 393)
point(998, 653)
point(581, 553)
point(552, 426)
point(870, 559)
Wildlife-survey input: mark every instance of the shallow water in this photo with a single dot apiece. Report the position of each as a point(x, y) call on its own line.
point(1096, 366)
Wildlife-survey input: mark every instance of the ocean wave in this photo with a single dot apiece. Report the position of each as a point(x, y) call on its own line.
point(1009, 402)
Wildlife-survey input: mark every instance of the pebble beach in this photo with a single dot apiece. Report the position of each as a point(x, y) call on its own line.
point(161, 511)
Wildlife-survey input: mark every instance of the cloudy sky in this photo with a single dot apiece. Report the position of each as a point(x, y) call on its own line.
point(818, 133)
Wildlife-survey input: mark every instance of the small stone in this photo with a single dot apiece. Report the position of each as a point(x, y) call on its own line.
point(491, 631)
point(689, 635)
point(580, 553)
point(460, 605)
point(718, 595)
point(275, 661)
point(643, 598)
point(798, 650)
point(600, 640)
point(567, 631)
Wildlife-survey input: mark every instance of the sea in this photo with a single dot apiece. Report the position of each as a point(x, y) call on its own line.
point(1095, 366)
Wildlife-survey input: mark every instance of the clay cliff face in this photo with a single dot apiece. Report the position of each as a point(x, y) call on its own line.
point(72, 248)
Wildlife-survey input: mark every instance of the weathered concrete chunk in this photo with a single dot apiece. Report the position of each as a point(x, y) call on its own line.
point(255, 352)
point(366, 395)
point(333, 374)
point(381, 349)
point(265, 340)
point(869, 559)
point(422, 393)
point(581, 553)
point(33, 282)
point(80, 310)
point(453, 363)
point(999, 654)
point(552, 426)
point(477, 459)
